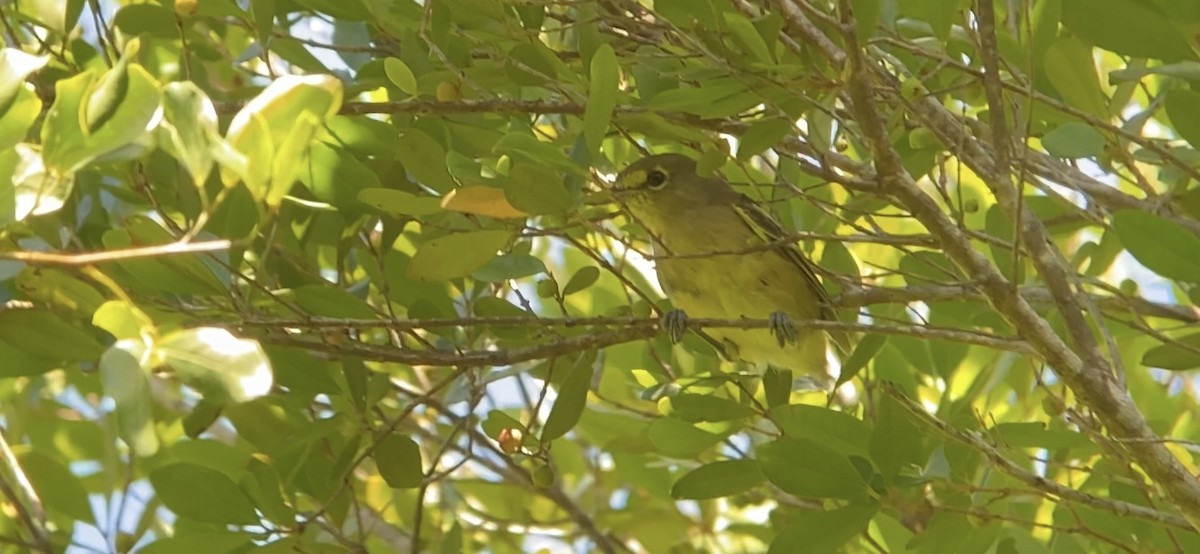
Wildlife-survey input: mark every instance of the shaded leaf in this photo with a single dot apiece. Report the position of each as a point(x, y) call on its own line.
point(43, 333)
point(123, 373)
point(820, 531)
point(581, 280)
point(839, 431)
point(572, 398)
point(58, 489)
point(201, 493)
point(804, 467)
point(602, 96)
point(1074, 140)
point(1175, 357)
point(1127, 27)
point(762, 135)
point(1161, 245)
point(1183, 107)
point(718, 479)
point(536, 190)
point(679, 439)
point(398, 459)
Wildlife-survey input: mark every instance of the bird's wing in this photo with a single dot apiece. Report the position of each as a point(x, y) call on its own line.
point(769, 230)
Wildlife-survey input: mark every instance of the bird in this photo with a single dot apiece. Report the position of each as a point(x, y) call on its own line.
point(718, 254)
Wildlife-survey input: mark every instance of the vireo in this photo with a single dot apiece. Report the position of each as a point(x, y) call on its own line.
point(713, 262)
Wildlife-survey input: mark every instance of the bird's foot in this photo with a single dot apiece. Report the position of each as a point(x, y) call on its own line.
point(781, 326)
point(675, 323)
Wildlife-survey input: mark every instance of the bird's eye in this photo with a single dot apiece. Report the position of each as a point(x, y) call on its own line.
point(656, 179)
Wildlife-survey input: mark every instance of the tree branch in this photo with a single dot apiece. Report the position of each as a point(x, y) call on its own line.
point(1009, 467)
point(1093, 384)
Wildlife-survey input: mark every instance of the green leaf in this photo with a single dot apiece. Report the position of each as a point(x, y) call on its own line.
point(58, 489)
point(425, 159)
point(1070, 68)
point(777, 386)
point(572, 399)
point(1034, 434)
point(45, 334)
point(525, 147)
point(1184, 70)
point(706, 407)
point(602, 96)
point(190, 128)
point(509, 266)
point(498, 421)
point(1175, 357)
point(839, 431)
point(536, 190)
point(216, 363)
point(202, 416)
point(807, 468)
point(1163, 246)
point(106, 93)
point(264, 21)
point(202, 542)
point(331, 301)
point(762, 135)
point(679, 439)
point(291, 155)
point(146, 231)
point(746, 36)
point(15, 67)
point(59, 290)
point(940, 16)
point(864, 352)
point(716, 99)
point(400, 75)
point(335, 176)
point(820, 531)
point(718, 479)
point(127, 113)
point(398, 202)
point(398, 460)
point(455, 255)
point(1127, 27)
point(137, 19)
point(584, 278)
point(1074, 140)
point(203, 494)
point(866, 16)
point(1183, 107)
point(272, 119)
point(17, 117)
point(124, 378)
point(62, 137)
point(895, 441)
point(261, 483)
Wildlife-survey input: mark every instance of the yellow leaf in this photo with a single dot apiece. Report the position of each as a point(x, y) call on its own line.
point(481, 200)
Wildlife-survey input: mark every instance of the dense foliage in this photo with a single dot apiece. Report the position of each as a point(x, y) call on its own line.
point(326, 276)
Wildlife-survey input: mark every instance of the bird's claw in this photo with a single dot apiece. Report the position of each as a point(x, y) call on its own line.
point(781, 326)
point(675, 323)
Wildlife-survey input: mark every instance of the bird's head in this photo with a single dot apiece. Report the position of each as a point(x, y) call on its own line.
point(666, 183)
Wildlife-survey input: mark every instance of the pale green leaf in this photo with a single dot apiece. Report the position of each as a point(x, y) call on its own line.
point(455, 255)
